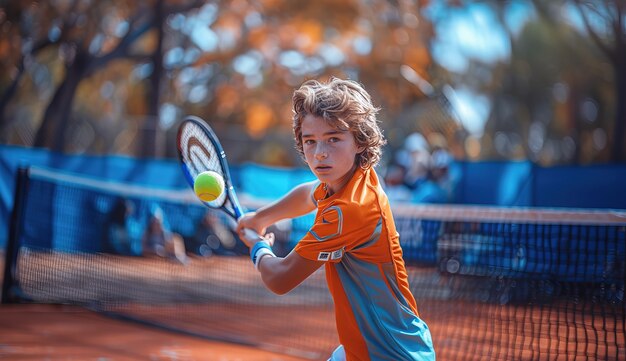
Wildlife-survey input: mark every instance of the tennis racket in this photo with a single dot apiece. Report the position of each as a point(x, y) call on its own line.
point(199, 150)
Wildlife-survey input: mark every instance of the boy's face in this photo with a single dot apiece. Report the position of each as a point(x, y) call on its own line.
point(330, 153)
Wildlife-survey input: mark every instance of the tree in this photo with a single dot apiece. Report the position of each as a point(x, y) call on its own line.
point(240, 73)
point(543, 107)
point(605, 23)
point(13, 61)
point(235, 63)
point(87, 42)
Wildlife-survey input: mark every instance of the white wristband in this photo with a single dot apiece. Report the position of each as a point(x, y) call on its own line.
point(259, 254)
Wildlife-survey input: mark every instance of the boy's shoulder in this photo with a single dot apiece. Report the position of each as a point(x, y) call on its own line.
point(363, 197)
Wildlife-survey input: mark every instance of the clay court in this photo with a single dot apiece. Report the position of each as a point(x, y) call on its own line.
point(131, 331)
point(59, 332)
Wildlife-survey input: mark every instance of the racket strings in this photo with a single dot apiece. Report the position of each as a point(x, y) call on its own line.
point(200, 155)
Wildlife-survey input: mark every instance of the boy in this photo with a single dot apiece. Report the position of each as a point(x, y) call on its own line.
point(354, 235)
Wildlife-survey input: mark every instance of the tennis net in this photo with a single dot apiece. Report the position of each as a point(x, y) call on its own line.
point(492, 283)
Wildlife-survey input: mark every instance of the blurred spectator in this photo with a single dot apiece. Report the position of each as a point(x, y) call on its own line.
point(440, 172)
point(437, 142)
point(415, 157)
point(418, 176)
point(396, 189)
point(159, 240)
point(440, 163)
point(117, 237)
point(429, 191)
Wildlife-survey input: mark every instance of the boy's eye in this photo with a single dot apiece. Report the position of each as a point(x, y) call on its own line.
point(333, 139)
point(308, 141)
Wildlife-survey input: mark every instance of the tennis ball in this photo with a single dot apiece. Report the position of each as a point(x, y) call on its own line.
point(208, 185)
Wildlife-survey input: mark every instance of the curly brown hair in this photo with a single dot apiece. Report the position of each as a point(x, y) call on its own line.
point(346, 106)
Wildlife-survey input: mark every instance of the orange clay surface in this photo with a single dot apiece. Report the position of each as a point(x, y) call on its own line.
point(49, 332)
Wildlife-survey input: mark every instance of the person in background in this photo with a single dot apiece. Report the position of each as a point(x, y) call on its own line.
point(440, 173)
point(396, 189)
point(415, 157)
point(159, 240)
point(441, 158)
point(117, 238)
point(409, 179)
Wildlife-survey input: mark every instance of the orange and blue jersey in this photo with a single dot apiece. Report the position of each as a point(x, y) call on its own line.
point(375, 311)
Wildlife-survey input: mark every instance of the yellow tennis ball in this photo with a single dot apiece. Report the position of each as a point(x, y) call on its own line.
point(208, 185)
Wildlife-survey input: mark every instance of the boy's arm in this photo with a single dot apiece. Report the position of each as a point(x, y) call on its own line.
point(281, 275)
point(297, 202)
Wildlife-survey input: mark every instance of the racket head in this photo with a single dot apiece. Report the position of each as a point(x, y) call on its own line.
point(199, 150)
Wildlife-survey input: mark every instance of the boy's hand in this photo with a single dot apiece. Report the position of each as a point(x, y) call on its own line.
point(250, 238)
point(250, 232)
point(249, 220)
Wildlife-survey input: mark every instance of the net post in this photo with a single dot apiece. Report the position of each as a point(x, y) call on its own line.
point(9, 282)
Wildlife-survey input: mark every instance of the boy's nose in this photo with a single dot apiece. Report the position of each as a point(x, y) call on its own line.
point(321, 155)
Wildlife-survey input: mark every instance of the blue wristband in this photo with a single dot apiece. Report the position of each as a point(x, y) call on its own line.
point(255, 250)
